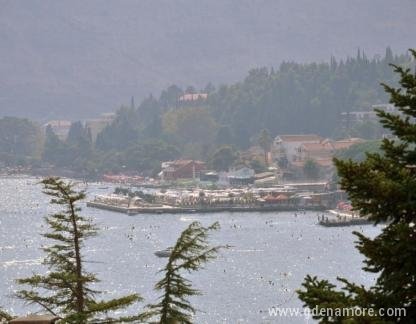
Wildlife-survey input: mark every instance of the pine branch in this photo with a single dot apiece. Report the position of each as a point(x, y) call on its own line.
point(190, 253)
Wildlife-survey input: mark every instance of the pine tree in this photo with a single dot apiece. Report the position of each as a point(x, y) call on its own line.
point(65, 290)
point(384, 188)
point(190, 253)
point(265, 141)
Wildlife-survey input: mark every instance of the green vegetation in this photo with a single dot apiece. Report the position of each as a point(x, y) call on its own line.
point(189, 254)
point(20, 141)
point(265, 142)
point(357, 152)
point(382, 186)
point(66, 290)
point(294, 98)
point(223, 158)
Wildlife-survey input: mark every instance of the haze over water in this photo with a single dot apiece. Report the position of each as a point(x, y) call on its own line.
point(271, 253)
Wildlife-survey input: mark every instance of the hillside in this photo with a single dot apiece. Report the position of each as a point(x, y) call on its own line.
point(75, 59)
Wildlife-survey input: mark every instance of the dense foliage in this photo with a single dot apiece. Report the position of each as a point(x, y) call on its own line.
point(383, 187)
point(357, 152)
point(65, 290)
point(20, 141)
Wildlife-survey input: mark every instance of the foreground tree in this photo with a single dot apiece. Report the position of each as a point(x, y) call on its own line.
point(190, 253)
point(384, 187)
point(65, 290)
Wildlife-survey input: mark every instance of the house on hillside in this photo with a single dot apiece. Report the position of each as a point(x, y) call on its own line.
point(181, 169)
point(98, 124)
point(295, 150)
point(322, 153)
point(59, 127)
point(286, 148)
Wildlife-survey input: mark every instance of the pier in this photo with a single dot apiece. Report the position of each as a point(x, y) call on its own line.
point(199, 209)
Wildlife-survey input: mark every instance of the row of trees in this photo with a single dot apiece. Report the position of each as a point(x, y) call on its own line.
point(66, 289)
point(295, 98)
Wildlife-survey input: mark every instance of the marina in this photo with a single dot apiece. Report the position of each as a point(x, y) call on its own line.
point(189, 201)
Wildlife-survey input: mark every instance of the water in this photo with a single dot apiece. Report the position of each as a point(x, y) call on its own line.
point(271, 254)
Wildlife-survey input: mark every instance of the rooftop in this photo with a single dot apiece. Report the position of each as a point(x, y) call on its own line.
point(300, 138)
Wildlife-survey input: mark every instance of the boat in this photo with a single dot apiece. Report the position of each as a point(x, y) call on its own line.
point(345, 222)
point(343, 218)
point(164, 253)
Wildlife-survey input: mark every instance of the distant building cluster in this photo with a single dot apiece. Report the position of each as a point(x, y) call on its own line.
point(96, 125)
point(181, 169)
point(59, 127)
point(190, 97)
point(350, 119)
point(290, 152)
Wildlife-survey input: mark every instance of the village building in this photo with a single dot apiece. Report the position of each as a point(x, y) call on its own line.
point(181, 169)
point(98, 124)
point(322, 153)
point(191, 97)
point(59, 127)
point(286, 147)
point(241, 177)
point(350, 119)
point(290, 152)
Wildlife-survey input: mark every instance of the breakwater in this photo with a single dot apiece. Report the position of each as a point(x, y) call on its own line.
point(200, 209)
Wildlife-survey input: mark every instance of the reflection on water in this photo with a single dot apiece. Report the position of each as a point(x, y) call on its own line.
point(270, 254)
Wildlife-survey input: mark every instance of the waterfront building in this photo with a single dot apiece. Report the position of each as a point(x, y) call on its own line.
point(181, 169)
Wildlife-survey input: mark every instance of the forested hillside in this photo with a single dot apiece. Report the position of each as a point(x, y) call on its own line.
point(295, 98)
point(74, 58)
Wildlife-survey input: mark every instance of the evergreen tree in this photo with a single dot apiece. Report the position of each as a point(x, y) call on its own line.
point(383, 187)
point(55, 151)
point(65, 290)
point(190, 253)
point(265, 141)
point(223, 158)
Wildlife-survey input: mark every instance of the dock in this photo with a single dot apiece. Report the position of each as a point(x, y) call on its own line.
point(198, 209)
point(344, 218)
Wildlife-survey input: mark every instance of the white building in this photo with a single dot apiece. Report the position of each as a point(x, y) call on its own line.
point(59, 127)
